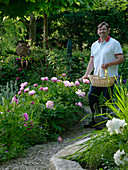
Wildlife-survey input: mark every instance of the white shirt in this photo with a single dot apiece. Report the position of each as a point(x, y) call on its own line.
point(105, 52)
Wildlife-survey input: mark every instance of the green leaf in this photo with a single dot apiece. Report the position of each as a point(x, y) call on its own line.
point(70, 2)
point(5, 1)
point(64, 2)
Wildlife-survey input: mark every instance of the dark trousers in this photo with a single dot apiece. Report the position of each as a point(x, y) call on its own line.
point(94, 96)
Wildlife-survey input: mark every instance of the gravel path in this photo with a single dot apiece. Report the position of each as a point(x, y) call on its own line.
point(37, 157)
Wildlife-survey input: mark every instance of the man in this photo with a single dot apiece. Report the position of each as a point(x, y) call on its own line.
point(107, 53)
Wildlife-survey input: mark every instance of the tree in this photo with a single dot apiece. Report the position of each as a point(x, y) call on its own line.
point(30, 8)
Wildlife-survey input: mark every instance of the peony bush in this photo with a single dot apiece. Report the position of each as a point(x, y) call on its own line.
point(38, 113)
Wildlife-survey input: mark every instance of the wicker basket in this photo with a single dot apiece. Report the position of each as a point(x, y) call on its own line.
point(101, 81)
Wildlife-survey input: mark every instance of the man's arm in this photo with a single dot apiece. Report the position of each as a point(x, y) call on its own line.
point(89, 69)
point(119, 59)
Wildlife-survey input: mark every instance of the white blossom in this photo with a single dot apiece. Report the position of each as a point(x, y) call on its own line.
point(116, 125)
point(120, 157)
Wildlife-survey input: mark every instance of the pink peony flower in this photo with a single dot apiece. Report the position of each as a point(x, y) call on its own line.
point(86, 81)
point(59, 139)
point(26, 90)
point(63, 74)
point(26, 116)
point(35, 85)
point(77, 83)
point(17, 78)
point(22, 88)
point(67, 83)
point(49, 104)
point(44, 78)
point(19, 69)
point(79, 104)
point(59, 80)
point(19, 92)
point(32, 92)
point(41, 88)
point(80, 93)
point(54, 79)
point(45, 89)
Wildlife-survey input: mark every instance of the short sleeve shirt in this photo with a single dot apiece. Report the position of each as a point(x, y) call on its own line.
point(105, 52)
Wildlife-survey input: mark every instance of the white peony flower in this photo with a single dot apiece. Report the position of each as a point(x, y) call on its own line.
point(120, 157)
point(116, 125)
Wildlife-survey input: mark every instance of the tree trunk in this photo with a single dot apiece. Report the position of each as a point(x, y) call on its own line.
point(32, 27)
point(45, 27)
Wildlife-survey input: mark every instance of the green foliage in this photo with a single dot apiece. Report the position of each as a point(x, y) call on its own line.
point(11, 32)
point(98, 151)
point(42, 124)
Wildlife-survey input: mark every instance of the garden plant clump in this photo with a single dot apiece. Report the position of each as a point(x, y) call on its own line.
point(108, 148)
point(39, 113)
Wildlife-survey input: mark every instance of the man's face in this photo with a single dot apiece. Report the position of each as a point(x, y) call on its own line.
point(103, 32)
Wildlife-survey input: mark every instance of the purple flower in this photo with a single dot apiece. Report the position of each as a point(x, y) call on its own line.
point(49, 104)
point(32, 102)
point(124, 81)
point(59, 139)
point(25, 124)
point(32, 92)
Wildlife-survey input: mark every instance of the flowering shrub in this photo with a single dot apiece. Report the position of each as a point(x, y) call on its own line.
point(38, 113)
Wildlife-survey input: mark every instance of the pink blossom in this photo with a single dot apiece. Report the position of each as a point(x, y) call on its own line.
point(19, 92)
point(41, 88)
point(32, 102)
point(77, 83)
point(19, 69)
point(44, 78)
point(54, 79)
point(25, 124)
point(86, 81)
point(26, 116)
point(26, 90)
point(17, 78)
point(32, 92)
point(14, 99)
point(59, 80)
point(49, 104)
point(23, 84)
point(80, 93)
point(79, 104)
point(59, 139)
point(63, 74)
point(35, 85)
point(67, 83)
point(45, 89)
point(22, 88)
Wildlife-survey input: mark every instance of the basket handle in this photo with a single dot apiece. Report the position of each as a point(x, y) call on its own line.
point(99, 72)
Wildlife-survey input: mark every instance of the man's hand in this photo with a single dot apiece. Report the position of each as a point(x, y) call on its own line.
point(105, 66)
